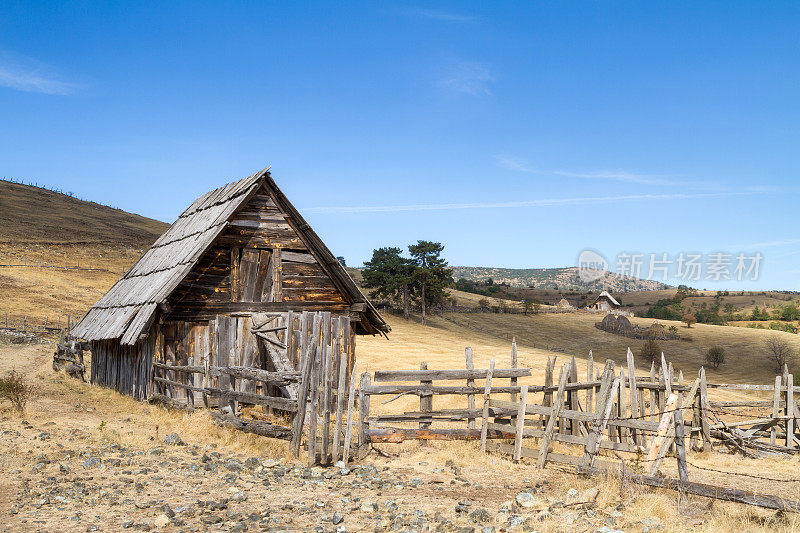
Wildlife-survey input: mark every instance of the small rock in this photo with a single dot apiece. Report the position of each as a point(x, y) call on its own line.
point(91, 462)
point(239, 497)
point(480, 516)
point(161, 521)
point(369, 507)
point(572, 494)
point(526, 500)
point(173, 439)
point(606, 529)
point(337, 518)
point(590, 495)
point(652, 525)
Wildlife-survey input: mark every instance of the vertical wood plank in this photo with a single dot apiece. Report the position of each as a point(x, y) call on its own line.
point(680, 447)
point(327, 353)
point(513, 395)
point(554, 414)
point(704, 409)
point(349, 430)
point(590, 377)
point(634, 395)
point(341, 392)
point(277, 276)
point(548, 382)
point(314, 411)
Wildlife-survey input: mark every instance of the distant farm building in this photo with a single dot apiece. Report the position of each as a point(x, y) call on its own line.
point(564, 305)
point(604, 302)
point(225, 285)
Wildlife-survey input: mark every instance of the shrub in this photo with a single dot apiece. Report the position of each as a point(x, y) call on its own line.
point(689, 319)
point(650, 350)
point(14, 389)
point(779, 352)
point(715, 356)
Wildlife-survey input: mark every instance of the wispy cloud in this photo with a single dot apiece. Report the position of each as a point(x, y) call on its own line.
point(519, 165)
point(553, 202)
point(26, 75)
point(470, 78)
point(436, 14)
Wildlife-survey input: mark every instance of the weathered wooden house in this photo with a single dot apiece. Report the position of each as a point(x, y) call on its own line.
point(604, 302)
point(236, 262)
point(564, 305)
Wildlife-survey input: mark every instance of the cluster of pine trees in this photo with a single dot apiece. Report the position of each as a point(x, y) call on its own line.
point(422, 277)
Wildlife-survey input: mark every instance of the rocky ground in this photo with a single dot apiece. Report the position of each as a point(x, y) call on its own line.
point(83, 458)
point(66, 486)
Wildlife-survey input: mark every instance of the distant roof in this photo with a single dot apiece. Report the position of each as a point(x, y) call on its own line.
point(606, 295)
point(128, 308)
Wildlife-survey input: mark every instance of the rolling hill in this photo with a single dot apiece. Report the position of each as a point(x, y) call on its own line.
point(564, 279)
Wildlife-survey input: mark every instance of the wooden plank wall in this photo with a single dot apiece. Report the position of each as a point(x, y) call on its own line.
point(126, 369)
point(258, 259)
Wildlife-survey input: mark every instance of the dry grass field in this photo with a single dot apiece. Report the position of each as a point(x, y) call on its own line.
point(140, 474)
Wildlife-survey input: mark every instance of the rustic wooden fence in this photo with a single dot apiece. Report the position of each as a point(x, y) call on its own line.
point(319, 408)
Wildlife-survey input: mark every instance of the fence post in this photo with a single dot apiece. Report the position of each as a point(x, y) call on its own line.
point(704, 409)
point(486, 392)
point(470, 383)
point(776, 405)
point(350, 399)
point(425, 398)
point(520, 423)
point(790, 410)
point(363, 410)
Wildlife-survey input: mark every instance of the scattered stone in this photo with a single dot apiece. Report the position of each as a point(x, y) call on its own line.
point(337, 518)
point(369, 507)
point(161, 521)
point(92, 462)
point(651, 525)
point(480, 516)
point(606, 529)
point(239, 497)
point(173, 439)
point(526, 500)
point(572, 493)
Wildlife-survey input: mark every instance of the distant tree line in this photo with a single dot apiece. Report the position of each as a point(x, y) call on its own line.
point(422, 278)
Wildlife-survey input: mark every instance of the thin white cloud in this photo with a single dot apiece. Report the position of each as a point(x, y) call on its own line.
point(519, 165)
point(766, 244)
point(470, 78)
point(436, 14)
point(553, 202)
point(33, 77)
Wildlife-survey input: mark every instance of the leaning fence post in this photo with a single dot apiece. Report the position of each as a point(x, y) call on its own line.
point(486, 392)
point(425, 397)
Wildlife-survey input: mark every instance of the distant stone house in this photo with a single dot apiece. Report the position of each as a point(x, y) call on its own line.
point(604, 302)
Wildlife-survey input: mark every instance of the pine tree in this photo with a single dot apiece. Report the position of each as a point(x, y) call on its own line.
point(431, 275)
point(389, 275)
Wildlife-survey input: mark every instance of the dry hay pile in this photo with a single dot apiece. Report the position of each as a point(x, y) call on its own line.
point(616, 324)
point(620, 325)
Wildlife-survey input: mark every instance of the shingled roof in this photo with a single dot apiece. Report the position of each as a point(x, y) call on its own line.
point(129, 307)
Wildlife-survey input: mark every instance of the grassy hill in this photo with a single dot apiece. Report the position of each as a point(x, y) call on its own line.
point(40, 226)
point(31, 214)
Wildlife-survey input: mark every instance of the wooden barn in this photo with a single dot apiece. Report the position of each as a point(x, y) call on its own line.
point(604, 302)
point(228, 284)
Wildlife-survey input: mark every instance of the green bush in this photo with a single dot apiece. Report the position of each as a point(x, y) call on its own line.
point(715, 356)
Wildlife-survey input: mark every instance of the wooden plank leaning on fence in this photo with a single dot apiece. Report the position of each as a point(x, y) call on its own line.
point(634, 394)
point(302, 399)
point(553, 417)
point(363, 411)
point(341, 394)
point(776, 403)
point(605, 402)
point(670, 436)
point(486, 393)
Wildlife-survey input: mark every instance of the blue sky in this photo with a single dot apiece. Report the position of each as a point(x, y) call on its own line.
point(518, 134)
